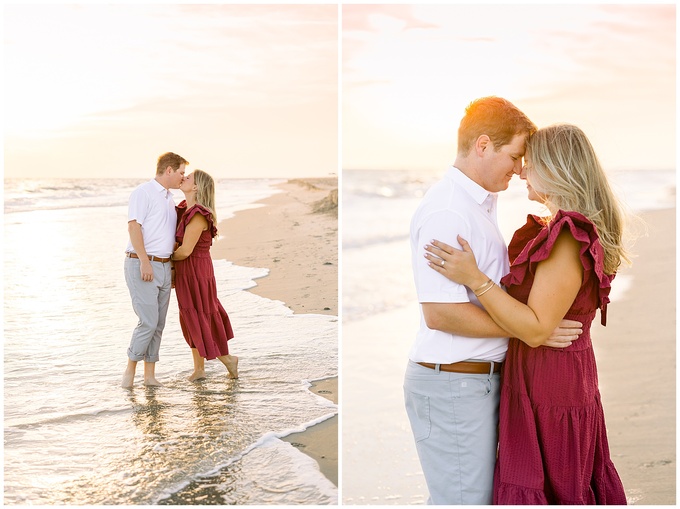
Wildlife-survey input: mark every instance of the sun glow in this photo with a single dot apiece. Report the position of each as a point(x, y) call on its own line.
point(409, 71)
point(58, 68)
point(87, 82)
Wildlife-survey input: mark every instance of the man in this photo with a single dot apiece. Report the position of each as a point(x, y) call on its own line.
point(452, 382)
point(152, 221)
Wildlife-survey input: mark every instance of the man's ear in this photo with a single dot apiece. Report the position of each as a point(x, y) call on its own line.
point(169, 170)
point(482, 144)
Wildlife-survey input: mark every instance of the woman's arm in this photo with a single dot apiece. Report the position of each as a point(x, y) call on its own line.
point(192, 233)
point(556, 284)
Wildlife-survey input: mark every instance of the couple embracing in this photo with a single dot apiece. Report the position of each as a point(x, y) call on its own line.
point(169, 247)
point(501, 386)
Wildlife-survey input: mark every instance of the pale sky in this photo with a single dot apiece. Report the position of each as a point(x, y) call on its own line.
point(409, 71)
point(238, 90)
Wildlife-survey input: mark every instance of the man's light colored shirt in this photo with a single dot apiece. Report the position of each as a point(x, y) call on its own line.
point(456, 205)
point(153, 207)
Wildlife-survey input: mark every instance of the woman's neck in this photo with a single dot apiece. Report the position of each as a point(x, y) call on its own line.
point(191, 201)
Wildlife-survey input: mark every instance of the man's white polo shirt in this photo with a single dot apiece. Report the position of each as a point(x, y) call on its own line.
point(456, 205)
point(152, 206)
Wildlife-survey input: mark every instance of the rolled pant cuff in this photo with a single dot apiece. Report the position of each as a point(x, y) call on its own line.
point(141, 357)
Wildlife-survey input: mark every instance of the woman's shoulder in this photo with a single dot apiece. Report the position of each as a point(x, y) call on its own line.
point(536, 239)
point(202, 214)
point(197, 210)
point(539, 237)
point(576, 229)
point(573, 223)
point(568, 228)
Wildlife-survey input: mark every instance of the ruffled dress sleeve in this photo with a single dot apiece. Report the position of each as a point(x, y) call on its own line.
point(180, 209)
point(188, 214)
point(533, 243)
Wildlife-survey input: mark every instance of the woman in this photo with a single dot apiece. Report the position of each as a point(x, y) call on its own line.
point(552, 439)
point(204, 321)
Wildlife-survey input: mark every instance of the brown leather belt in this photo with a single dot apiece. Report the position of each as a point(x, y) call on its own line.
point(152, 258)
point(474, 368)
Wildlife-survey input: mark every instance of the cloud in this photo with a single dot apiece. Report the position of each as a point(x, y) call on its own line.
point(361, 18)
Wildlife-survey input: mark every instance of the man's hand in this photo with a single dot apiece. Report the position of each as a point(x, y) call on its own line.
point(566, 332)
point(146, 270)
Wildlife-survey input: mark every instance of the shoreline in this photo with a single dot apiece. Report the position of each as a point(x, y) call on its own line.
point(321, 440)
point(295, 236)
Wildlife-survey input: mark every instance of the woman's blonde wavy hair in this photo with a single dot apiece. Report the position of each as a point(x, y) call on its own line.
point(205, 192)
point(569, 174)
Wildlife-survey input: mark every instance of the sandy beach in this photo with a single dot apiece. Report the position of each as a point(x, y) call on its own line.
point(295, 236)
point(321, 441)
point(636, 363)
point(636, 360)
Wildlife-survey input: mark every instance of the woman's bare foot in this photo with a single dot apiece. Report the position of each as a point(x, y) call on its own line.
point(197, 375)
point(231, 363)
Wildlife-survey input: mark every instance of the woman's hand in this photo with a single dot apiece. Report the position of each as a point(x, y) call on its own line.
point(458, 266)
point(192, 233)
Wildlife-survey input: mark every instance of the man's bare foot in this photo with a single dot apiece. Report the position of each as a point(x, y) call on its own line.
point(152, 382)
point(197, 375)
point(231, 362)
point(128, 379)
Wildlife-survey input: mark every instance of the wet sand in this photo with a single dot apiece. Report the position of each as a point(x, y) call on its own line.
point(321, 441)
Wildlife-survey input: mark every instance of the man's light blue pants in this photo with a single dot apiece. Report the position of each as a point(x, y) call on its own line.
point(454, 418)
point(150, 300)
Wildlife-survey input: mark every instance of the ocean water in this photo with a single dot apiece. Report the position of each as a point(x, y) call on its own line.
point(376, 213)
point(73, 436)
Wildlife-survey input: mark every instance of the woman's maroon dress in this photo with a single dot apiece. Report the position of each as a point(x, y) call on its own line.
point(552, 438)
point(204, 321)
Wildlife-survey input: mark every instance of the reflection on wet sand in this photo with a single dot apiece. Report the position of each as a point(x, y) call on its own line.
point(148, 415)
point(213, 410)
point(160, 451)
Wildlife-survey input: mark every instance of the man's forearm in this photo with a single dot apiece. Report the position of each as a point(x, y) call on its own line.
point(137, 239)
point(463, 319)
